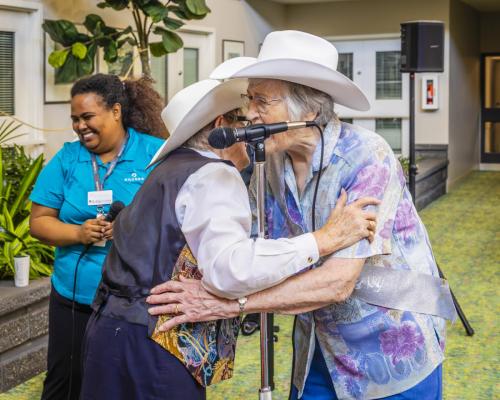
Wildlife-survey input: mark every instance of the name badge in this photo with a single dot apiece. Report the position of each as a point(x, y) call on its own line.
point(99, 197)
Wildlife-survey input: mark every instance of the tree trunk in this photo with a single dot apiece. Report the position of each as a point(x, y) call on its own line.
point(146, 68)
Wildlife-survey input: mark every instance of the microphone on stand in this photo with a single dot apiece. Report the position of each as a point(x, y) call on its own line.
point(223, 137)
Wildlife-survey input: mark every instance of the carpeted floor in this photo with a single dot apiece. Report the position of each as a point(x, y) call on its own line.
point(465, 233)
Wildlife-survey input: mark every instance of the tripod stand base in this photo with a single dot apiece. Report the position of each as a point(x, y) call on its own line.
point(265, 393)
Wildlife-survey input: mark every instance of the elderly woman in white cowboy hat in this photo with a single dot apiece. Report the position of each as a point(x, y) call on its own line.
point(371, 317)
point(191, 219)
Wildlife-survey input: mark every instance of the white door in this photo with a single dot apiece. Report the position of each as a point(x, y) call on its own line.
point(21, 73)
point(188, 65)
point(374, 66)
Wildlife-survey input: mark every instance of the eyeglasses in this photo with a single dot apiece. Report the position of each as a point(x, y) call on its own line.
point(261, 103)
point(231, 117)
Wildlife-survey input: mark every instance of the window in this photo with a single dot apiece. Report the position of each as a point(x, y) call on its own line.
point(190, 66)
point(345, 64)
point(388, 75)
point(7, 99)
point(159, 72)
point(390, 130)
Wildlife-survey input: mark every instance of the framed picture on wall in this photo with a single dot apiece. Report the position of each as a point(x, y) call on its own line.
point(430, 92)
point(127, 64)
point(232, 49)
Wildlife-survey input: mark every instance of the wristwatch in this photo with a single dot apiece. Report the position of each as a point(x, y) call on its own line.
point(242, 301)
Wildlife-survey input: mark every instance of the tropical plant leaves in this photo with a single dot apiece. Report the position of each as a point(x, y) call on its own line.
point(197, 7)
point(79, 50)
point(171, 42)
point(58, 57)
point(15, 238)
point(76, 58)
point(114, 4)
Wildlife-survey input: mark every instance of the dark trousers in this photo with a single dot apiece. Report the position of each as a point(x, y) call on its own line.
point(121, 362)
point(60, 368)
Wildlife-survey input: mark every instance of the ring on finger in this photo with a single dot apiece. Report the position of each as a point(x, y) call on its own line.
point(176, 310)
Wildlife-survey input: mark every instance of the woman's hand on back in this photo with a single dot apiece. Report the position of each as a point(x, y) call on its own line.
point(347, 225)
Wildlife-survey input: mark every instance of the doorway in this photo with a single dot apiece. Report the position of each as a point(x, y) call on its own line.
point(194, 62)
point(490, 108)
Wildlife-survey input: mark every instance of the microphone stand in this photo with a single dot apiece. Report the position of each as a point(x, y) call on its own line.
point(266, 320)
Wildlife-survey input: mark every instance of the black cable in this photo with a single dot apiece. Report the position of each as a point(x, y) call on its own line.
point(313, 223)
point(73, 301)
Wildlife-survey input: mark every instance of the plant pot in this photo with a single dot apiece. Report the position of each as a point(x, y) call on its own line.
point(22, 271)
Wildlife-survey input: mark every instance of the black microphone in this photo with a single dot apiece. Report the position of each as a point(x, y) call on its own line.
point(113, 212)
point(223, 137)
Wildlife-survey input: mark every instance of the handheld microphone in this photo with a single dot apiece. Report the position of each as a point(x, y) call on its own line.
point(113, 212)
point(223, 137)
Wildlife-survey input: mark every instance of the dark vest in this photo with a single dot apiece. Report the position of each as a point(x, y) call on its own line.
point(149, 248)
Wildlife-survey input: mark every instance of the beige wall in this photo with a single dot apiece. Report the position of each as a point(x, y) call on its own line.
point(463, 148)
point(490, 33)
point(368, 17)
point(231, 19)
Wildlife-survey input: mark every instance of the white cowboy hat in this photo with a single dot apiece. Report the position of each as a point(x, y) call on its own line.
point(297, 57)
point(195, 106)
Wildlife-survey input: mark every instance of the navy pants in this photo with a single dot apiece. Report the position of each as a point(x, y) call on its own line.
point(319, 385)
point(122, 362)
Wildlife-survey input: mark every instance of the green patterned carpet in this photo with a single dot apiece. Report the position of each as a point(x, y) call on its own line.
point(464, 230)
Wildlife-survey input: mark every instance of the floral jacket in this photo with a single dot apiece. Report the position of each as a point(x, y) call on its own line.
point(370, 351)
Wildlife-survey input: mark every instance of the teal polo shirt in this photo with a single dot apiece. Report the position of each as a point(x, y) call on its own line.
point(63, 185)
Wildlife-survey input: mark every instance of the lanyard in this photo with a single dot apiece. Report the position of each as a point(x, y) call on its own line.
point(99, 185)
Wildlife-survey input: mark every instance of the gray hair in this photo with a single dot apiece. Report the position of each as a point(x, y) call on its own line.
point(199, 140)
point(301, 100)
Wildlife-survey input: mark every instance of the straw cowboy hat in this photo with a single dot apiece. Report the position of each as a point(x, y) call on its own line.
point(195, 106)
point(297, 57)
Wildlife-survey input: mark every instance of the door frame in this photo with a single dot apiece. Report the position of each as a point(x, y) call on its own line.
point(487, 115)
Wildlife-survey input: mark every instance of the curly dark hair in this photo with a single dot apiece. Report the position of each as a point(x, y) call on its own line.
point(141, 104)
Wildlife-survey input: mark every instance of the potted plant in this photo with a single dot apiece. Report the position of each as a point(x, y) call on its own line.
point(18, 173)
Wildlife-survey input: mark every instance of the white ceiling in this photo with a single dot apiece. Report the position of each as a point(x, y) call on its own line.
point(480, 5)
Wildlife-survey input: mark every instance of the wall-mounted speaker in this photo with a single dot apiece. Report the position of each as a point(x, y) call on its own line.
point(422, 46)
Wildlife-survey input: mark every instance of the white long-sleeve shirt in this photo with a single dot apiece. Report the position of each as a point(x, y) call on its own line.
point(213, 210)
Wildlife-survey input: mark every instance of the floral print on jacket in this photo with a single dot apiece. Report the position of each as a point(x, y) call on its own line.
point(370, 351)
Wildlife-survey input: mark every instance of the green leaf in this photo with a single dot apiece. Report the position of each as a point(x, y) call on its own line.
point(26, 184)
point(157, 49)
point(197, 7)
point(172, 23)
point(93, 23)
point(111, 52)
point(62, 31)
point(75, 68)
point(154, 9)
point(79, 50)
point(58, 57)
point(114, 4)
point(171, 40)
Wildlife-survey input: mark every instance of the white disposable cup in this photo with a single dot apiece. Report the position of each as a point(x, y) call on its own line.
point(22, 271)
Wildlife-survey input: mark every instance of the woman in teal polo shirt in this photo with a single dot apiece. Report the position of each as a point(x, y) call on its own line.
point(116, 123)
